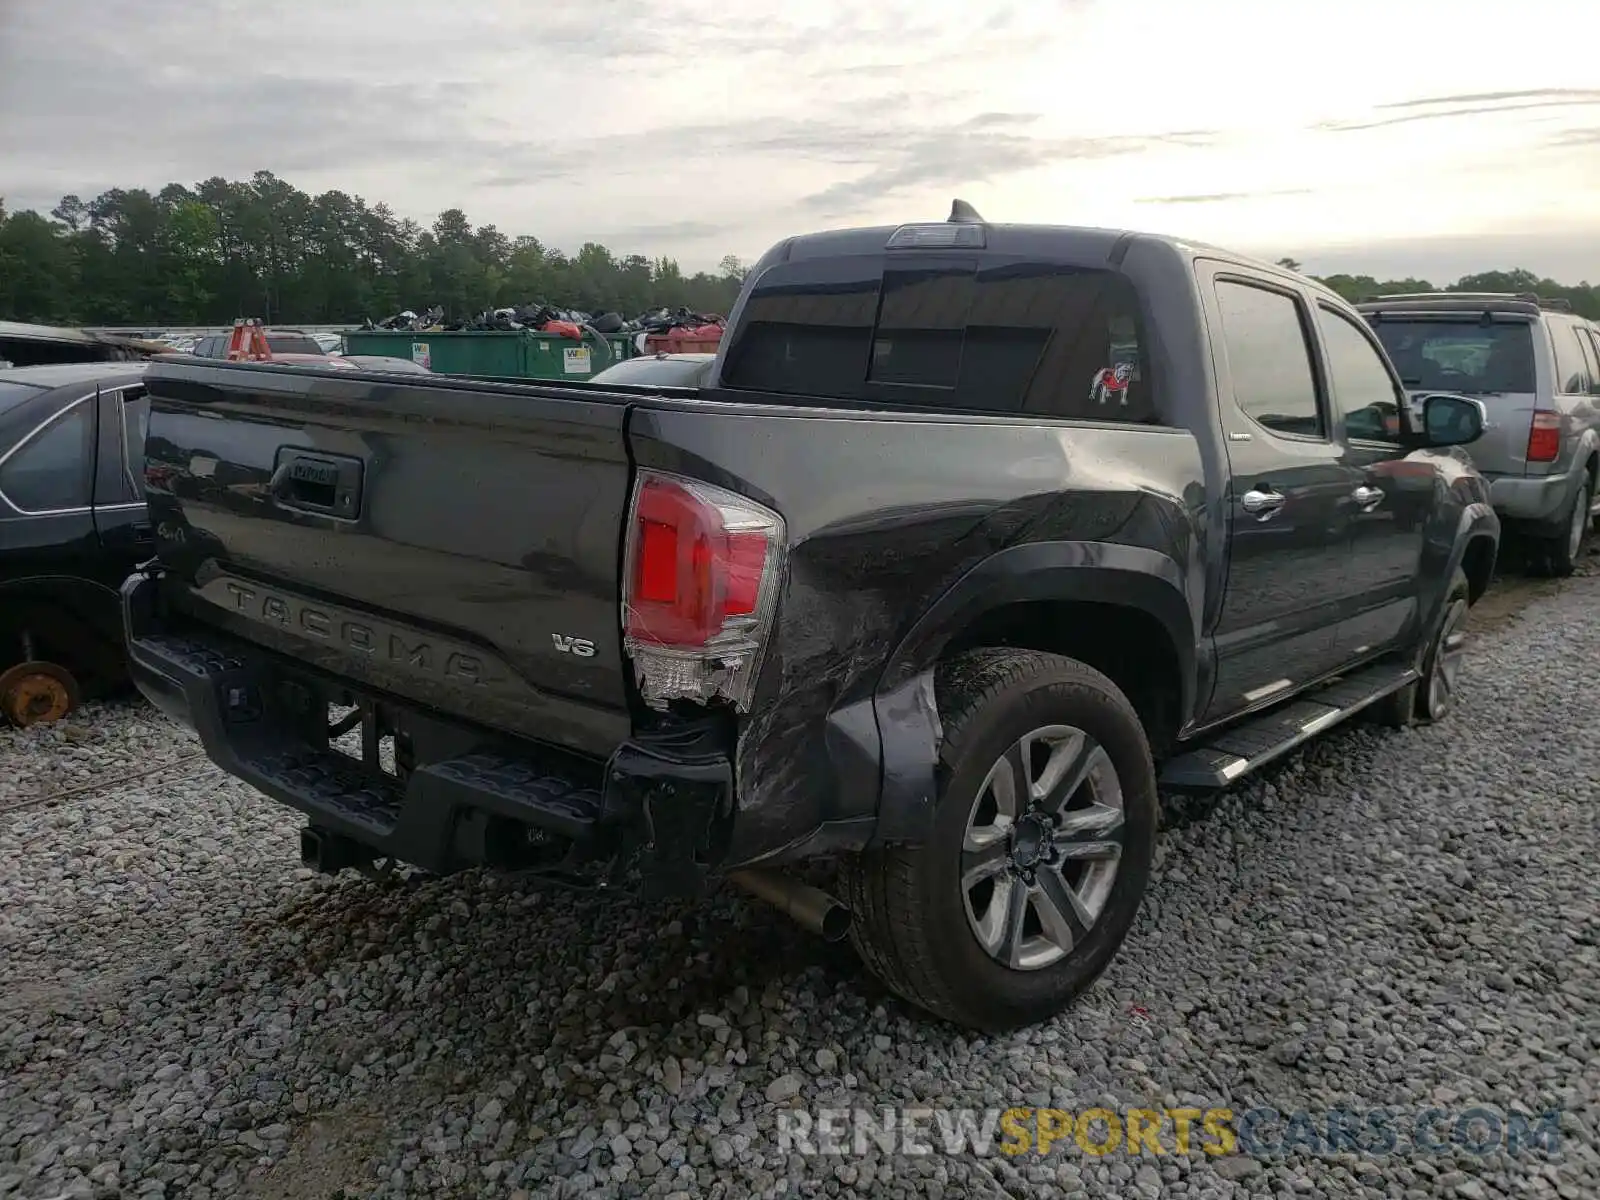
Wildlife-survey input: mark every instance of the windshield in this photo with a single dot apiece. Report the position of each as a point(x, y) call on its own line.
point(1459, 355)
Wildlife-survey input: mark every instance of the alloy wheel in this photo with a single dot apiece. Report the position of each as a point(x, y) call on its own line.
point(1447, 657)
point(1042, 846)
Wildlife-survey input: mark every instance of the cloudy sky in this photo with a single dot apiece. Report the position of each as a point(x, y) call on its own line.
point(1399, 136)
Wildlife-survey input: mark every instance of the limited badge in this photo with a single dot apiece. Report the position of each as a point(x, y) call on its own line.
point(1112, 382)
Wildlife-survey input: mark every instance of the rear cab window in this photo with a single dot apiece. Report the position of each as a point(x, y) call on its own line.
point(1459, 354)
point(961, 332)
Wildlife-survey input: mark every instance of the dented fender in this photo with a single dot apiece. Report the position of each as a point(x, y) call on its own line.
point(905, 704)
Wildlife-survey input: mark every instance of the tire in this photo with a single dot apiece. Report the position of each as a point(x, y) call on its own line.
point(1557, 557)
point(1431, 697)
point(917, 925)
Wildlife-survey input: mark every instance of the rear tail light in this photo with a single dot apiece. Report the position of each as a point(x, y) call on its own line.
point(1544, 437)
point(700, 589)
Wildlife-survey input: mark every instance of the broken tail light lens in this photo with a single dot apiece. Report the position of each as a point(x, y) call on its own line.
point(700, 589)
point(1544, 437)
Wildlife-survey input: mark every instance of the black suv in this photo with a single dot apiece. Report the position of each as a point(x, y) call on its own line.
point(72, 525)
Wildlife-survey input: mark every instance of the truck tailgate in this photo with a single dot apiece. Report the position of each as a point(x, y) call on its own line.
point(455, 545)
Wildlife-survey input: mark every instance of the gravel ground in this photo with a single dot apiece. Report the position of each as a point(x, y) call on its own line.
point(1398, 920)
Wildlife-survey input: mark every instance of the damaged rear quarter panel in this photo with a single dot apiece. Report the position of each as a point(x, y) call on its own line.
point(885, 512)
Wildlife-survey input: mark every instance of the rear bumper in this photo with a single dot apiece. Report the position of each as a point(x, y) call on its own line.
point(1531, 498)
point(654, 815)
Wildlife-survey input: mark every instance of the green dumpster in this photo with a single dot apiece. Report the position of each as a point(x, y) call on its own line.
point(551, 357)
point(492, 354)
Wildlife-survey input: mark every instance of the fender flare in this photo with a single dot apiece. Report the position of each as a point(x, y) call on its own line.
point(1588, 444)
point(1478, 522)
point(904, 704)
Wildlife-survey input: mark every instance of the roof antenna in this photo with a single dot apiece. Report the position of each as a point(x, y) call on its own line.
point(962, 213)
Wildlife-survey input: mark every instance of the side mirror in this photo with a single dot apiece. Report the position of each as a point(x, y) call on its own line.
point(1452, 420)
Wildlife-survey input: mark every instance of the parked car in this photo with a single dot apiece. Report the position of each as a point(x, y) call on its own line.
point(385, 362)
point(974, 533)
point(25, 345)
point(72, 525)
point(293, 347)
point(659, 370)
point(1536, 367)
point(288, 346)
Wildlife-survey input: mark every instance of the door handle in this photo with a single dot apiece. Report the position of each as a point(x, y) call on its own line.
point(316, 482)
point(1262, 502)
point(1367, 497)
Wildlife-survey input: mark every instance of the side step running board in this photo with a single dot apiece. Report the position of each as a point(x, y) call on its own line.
point(1240, 749)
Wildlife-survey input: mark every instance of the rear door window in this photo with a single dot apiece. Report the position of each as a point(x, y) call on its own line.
point(1593, 338)
point(135, 428)
point(1459, 354)
point(1591, 356)
point(956, 332)
point(1572, 376)
point(53, 468)
point(1269, 359)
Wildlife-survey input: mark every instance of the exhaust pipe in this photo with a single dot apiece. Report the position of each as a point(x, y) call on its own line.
point(809, 906)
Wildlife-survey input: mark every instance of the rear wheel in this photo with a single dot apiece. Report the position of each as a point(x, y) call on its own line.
point(1040, 850)
point(34, 692)
point(1558, 556)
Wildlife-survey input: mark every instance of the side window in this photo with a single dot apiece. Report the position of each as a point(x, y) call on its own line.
point(1591, 357)
point(1362, 386)
point(1269, 359)
point(135, 426)
point(53, 469)
point(1571, 374)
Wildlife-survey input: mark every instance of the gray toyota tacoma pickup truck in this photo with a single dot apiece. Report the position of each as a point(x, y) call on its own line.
point(974, 534)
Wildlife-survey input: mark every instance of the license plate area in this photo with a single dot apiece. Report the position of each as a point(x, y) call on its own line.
point(386, 737)
point(360, 731)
